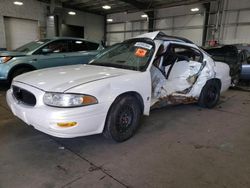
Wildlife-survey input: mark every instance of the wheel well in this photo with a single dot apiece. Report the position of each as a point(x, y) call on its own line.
point(217, 80)
point(130, 93)
point(134, 94)
point(21, 66)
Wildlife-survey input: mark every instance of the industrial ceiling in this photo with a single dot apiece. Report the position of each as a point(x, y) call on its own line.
point(96, 6)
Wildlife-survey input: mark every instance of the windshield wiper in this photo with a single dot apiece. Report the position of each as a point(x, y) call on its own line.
point(102, 64)
point(120, 61)
point(115, 66)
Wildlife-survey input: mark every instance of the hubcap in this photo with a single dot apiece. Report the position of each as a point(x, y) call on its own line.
point(212, 94)
point(124, 119)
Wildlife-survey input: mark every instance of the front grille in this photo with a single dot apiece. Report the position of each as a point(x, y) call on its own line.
point(23, 96)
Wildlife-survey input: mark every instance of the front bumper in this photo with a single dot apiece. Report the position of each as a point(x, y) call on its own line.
point(90, 119)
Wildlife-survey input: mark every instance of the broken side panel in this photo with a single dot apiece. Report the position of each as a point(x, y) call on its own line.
point(183, 85)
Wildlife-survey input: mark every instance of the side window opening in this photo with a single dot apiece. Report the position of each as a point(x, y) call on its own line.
point(80, 45)
point(92, 46)
point(59, 46)
point(188, 54)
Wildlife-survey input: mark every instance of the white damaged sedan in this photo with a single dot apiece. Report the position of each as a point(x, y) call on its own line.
point(112, 92)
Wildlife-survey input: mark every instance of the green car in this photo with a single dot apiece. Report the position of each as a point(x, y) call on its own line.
point(46, 53)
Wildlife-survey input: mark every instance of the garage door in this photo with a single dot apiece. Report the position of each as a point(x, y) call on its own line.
point(19, 32)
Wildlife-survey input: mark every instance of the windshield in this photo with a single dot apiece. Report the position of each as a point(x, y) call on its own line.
point(133, 54)
point(31, 46)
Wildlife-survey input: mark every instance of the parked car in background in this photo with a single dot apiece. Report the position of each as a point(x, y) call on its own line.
point(244, 52)
point(230, 55)
point(111, 93)
point(46, 53)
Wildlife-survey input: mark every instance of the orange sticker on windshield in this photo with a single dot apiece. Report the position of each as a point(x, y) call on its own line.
point(140, 52)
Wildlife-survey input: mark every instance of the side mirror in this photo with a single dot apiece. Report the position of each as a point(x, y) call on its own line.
point(46, 51)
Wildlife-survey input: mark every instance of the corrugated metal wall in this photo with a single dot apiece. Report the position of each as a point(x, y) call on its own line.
point(177, 21)
point(232, 21)
point(180, 21)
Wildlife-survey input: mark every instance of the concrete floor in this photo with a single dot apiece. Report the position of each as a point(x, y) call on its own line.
point(181, 146)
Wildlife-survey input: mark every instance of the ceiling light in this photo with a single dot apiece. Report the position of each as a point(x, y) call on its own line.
point(72, 13)
point(195, 9)
point(106, 7)
point(109, 20)
point(18, 3)
point(144, 15)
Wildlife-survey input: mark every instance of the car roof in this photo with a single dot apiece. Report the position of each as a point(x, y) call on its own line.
point(68, 38)
point(158, 35)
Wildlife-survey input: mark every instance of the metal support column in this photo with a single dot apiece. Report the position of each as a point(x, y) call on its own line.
point(206, 19)
point(151, 18)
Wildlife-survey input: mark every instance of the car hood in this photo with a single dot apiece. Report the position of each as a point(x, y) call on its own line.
point(12, 54)
point(61, 79)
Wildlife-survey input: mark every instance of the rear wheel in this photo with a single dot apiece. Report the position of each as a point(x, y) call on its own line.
point(123, 119)
point(210, 94)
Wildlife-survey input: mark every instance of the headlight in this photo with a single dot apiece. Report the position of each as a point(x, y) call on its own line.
point(5, 59)
point(68, 100)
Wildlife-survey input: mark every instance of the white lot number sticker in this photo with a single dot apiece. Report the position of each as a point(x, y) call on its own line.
point(143, 45)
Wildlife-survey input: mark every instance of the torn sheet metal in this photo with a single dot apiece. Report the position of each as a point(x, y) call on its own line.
point(172, 100)
point(150, 35)
point(184, 84)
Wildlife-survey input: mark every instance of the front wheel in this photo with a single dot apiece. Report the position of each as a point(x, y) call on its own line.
point(18, 72)
point(123, 119)
point(210, 94)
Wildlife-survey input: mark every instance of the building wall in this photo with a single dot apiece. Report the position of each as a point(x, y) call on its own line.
point(93, 24)
point(180, 21)
point(31, 9)
point(35, 10)
point(233, 22)
point(177, 21)
point(125, 26)
point(228, 23)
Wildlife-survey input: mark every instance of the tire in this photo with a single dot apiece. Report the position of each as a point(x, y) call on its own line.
point(18, 72)
point(123, 119)
point(210, 94)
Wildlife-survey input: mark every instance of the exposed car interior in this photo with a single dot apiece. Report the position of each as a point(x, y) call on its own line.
point(174, 65)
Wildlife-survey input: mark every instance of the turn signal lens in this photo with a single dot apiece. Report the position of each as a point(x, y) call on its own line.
point(67, 124)
point(87, 100)
point(6, 59)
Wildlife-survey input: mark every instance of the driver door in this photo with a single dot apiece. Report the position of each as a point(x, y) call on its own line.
point(52, 55)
